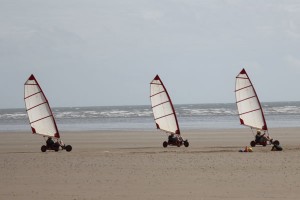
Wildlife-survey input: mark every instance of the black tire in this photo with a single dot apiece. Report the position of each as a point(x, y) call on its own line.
point(43, 148)
point(165, 144)
point(68, 148)
point(186, 143)
point(276, 142)
point(56, 149)
point(252, 143)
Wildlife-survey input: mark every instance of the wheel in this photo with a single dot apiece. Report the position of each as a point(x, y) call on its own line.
point(68, 148)
point(252, 143)
point(264, 144)
point(276, 142)
point(43, 148)
point(186, 143)
point(55, 148)
point(165, 144)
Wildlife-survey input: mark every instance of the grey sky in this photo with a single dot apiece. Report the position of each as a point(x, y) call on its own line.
point(96, 52)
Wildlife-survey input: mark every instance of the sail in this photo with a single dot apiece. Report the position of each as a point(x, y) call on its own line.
point(249, 107)
point(163, 110)
point(41, 118)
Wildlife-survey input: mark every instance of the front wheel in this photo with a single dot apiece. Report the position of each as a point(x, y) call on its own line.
point(165, 144)
point(68, 148)
point(43, 148)
point(252, 143)
point(186, 143)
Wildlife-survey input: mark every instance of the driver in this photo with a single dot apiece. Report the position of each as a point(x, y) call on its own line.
point(260, 138)
point(49, 142)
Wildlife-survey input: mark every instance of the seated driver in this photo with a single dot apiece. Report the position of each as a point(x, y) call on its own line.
point(49, 142)
point(260, 138)
point(171, 138)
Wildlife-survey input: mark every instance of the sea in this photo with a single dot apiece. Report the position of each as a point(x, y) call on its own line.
point(140, 117)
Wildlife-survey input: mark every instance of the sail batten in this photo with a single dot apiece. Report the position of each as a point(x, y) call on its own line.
point(163, 109)
point(246, 99)
point(40, 119)
point(40, 115)
point(249, 108)
point(243, 88)
point(32, 95)
point(157, 93)
point(36, 106)
point(160, 104)
point(164, 116)
point(250, 111)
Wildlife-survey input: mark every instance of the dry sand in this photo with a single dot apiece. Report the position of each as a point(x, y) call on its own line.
point(134, 165)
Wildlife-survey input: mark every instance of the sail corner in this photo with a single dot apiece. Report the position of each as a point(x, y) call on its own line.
point(56, 135)
point(156, 77)
point(264, 127)
point(242, 121)
point(157, 126)
point(243, 71)
point(33, 130)
point(31, 77)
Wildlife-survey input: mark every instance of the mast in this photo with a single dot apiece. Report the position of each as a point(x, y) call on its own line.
point(40, 115)
point(162, 106)
point(248, 104)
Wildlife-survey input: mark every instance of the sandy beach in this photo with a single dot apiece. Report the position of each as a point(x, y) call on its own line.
point(134, 165)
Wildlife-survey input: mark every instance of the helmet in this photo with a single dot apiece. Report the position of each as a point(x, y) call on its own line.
point(258, 132)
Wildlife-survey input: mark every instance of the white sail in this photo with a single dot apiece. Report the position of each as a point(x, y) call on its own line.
point(249, 107)
point(163, 110)
point(39, 112)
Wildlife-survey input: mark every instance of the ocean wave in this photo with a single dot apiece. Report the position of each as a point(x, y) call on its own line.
point(208, 112)
point(283, 110)
point(197, 110)
point(13, 116)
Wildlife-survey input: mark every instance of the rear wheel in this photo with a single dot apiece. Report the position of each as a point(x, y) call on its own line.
point(43, 148)
point(186, 143)
point(68, 148)
point(252, 143)
point(165, 144)
point(276, 142)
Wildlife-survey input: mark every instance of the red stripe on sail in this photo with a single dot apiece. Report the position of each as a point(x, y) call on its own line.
point(164, 116)
point(160, 104)
point(36, 106)
point(40, 119)
point(245, 99)
point(157, 93)
point(155, 83)
point(243, 88)
point(32, 94)
point(250, 111)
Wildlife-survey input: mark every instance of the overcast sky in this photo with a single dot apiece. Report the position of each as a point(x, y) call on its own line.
point(106, 52)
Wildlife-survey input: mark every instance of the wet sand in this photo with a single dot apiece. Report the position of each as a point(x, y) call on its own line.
point(134, 165)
